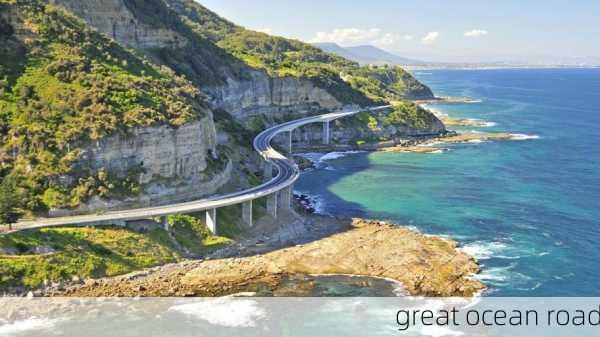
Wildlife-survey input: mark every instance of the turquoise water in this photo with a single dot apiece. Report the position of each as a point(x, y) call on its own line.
point(529, 210)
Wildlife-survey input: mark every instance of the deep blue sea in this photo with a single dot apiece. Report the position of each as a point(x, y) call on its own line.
point(529, 210)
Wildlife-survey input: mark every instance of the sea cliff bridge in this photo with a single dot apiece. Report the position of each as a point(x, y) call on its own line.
point(276, 188)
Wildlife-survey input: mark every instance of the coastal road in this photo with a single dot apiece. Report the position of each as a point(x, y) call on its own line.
point(287, 174)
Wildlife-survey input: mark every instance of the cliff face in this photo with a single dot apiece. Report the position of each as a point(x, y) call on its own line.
point(114, 19)
point(170, 164)
point(270, 96)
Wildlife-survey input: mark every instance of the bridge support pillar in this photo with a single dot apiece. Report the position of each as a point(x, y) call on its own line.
point(272, 205)
point(211, 220)
point(285, 198)
point(164, 221)
point(326, 133)
point(268, 171)
point(247, 213)
point(288, 142)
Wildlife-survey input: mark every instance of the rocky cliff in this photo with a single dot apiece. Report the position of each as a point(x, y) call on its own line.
point(276, 97)
point(114, 18)
point(170, 165)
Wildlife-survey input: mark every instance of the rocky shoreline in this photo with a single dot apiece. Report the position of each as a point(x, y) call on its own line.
point(425, 265)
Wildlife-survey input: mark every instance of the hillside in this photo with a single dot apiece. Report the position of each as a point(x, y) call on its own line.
point(255, 78)
point(65, 89)
point(285, 57)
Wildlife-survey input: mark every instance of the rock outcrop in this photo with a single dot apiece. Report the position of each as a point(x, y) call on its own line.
point(275, 97)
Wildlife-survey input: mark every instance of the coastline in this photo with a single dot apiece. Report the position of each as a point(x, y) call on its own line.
point(424, 265)
point(255, 265)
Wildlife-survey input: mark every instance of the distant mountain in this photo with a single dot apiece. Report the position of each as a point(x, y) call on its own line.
point(367, 54)
point(337, 50)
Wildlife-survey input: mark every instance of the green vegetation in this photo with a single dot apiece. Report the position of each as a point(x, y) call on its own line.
point(411, 115)
point(385, 83)
point(10, 201)
point(31, 258)
point(64, 86)
point(58, 254)
point(192, 233)
point(203, 21)
point(196, 57)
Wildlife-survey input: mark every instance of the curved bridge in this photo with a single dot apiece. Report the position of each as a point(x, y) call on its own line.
point(277, 189)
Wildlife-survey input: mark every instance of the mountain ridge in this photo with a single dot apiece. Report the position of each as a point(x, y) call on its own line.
point(368, 54)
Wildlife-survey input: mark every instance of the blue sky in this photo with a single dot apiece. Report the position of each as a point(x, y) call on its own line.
point(455, 30)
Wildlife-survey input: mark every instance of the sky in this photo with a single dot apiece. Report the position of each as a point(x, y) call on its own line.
point(433, 30)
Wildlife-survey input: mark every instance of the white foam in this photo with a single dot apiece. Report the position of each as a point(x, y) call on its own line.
point(337, 155)
point(481, 250)
point(503, 275)
point(520, 136)
point(316, 202)
point(25, 325)
point(224, 311)
point(312, 156)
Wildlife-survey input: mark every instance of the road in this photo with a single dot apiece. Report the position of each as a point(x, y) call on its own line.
point(287, 174)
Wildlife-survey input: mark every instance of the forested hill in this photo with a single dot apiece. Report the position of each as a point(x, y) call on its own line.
point(286, 57)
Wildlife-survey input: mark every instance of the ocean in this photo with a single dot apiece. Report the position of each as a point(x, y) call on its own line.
point(528, 210)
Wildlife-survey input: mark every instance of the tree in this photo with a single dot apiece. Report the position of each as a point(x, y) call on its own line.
point(9, 201)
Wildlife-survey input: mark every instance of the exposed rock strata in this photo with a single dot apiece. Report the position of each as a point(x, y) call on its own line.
point(174, 164)
point(113, 18)
point(276, 97)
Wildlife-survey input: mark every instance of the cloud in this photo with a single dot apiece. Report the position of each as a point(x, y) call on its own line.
point(408, 37)
point(387, 39)
point(476, 33)
point(430, 38)
point(348, 35)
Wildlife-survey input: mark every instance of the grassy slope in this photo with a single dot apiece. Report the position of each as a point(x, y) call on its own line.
point(99, 252)
point(70, 86)
point(82, 252)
